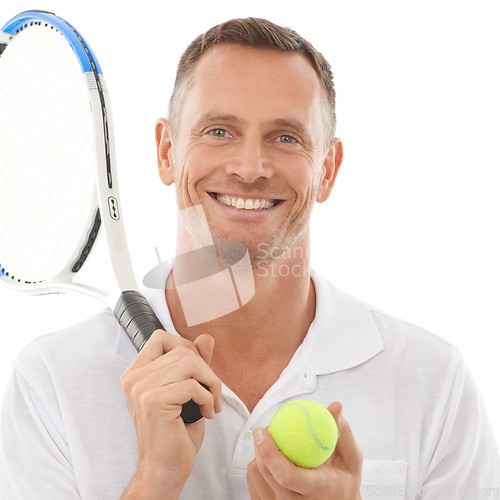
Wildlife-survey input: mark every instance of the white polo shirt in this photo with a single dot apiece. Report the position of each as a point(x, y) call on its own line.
point(66, 432)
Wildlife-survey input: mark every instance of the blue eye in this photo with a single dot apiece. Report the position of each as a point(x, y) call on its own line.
point(286, 139)
point(218, 132)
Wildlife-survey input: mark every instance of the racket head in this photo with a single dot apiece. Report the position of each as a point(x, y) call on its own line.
point(54, 100)
point(49, 213)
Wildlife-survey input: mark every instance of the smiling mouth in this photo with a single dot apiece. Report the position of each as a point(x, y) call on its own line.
point(245, 203)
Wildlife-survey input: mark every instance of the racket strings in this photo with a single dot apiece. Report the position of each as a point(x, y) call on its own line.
point(47, 156)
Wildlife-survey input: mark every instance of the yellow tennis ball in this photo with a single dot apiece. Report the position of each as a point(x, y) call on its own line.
point(305, 432)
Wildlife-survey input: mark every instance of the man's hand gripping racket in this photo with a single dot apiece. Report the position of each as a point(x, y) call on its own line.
point(58, 181)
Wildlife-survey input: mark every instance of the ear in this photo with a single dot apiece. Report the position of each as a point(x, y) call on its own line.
point(331, 166)
point(164, 151)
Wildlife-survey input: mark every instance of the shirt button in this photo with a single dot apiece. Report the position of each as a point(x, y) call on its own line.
point(248, 435)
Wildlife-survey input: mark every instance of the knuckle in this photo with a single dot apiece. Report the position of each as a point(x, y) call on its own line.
point(135, 393)
point(124, 381)
point(148, 403)
point(156, 338)
point(193, 385)
point(252, 470)
point(182, 351)
point(158, 334)
point(215, 387)
point(127, 383)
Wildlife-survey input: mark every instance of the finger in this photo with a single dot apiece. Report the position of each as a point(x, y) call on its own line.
point(347, 450)
point(179, 353)
point(191, 389)
point(158, 344)
point(179, 369)
point(276, 469)
point(171, 398)
point(178, 365)
point(258, 487)
point(254, 494)
point(205, 344)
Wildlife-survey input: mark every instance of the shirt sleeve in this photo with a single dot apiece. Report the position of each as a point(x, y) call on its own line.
point(34, 456)
point(464, 462)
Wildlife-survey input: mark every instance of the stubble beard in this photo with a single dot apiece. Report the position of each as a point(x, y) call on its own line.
point(267, 251)
point(263, 254)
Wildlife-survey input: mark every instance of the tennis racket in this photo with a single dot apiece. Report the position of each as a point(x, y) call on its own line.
point(58, 180)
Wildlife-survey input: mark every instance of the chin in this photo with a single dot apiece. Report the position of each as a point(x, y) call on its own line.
point(268, 253)
point(267, 249)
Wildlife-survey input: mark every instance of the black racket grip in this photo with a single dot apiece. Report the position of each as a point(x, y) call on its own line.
point(139, 321)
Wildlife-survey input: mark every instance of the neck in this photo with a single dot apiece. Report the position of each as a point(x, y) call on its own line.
point(270, 326)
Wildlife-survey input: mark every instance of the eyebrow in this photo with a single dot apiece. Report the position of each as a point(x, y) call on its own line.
point(209, 118)
point(290, 123)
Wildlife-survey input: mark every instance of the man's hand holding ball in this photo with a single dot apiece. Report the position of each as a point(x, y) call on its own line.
point(324, 461)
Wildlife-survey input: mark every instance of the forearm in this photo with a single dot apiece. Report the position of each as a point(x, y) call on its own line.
point(141, 488)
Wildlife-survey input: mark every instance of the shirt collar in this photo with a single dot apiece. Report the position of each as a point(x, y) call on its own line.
point(343, 334)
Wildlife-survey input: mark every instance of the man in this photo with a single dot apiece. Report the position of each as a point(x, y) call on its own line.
point(250, 146)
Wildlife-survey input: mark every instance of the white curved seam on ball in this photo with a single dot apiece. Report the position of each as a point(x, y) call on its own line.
point(326, 448)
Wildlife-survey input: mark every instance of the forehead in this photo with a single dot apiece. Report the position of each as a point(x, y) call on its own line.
point(255, 82)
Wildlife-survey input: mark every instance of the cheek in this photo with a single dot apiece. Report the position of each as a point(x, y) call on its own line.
point(303, 179)
point(190, 167)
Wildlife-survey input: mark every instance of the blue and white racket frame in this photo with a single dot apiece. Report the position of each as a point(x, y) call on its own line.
point(132, 309)
point(108, 211)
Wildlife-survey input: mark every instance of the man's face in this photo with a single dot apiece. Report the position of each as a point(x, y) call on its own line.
point(251, 134)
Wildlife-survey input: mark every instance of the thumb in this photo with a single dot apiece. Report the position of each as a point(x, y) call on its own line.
point(205, 344)
point(347, 450)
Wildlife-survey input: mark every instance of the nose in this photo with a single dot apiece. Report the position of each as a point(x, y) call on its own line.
point(249, 162)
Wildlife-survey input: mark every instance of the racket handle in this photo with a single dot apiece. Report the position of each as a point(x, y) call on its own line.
point(139, 322)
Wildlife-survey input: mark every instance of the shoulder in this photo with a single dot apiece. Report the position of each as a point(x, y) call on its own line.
point(422, 359)
point(406, 346)
point(402, 336)
point(83, 348)
point(100, 328)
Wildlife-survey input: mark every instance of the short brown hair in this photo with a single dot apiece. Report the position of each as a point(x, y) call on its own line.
point(259, 34)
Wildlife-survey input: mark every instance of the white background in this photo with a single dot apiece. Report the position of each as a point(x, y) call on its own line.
point(413, 222)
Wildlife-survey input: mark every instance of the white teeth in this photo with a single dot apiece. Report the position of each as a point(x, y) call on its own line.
point(246, 204)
